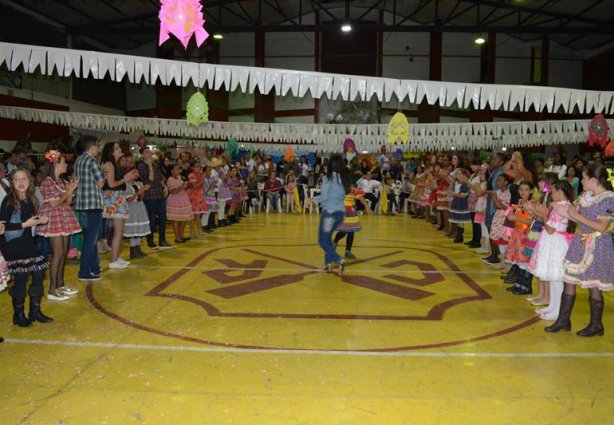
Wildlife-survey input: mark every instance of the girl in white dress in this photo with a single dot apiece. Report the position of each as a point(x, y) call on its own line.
point(547, 259)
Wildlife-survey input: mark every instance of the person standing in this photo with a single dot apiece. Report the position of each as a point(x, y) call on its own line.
point(335, 186)
point(18, 212)
point(154, 198)
point(88, 203)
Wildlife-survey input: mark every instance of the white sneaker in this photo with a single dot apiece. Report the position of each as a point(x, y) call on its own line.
point(57, 295)
point(121, 260)
point(481, 251)
point(118, 265)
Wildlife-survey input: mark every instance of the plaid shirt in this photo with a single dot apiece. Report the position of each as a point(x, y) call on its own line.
point(88, 195)
point(156, 190)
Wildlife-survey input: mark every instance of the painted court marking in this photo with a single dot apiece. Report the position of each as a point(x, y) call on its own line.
point(83, 344)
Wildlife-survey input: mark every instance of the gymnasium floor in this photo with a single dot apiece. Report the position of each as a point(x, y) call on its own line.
point(241, 327)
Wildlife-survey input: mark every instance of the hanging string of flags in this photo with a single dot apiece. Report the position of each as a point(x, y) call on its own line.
point(138, 69)
point(326, 137)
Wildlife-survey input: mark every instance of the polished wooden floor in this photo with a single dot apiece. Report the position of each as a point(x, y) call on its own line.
point(242, 327)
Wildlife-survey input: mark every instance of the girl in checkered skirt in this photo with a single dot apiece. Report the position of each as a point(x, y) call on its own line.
point(57, 197)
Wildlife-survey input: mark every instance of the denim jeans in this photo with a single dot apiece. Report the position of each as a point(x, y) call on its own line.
point(273, 198)
point(90, 263)
point(328, 224)
point(156, 208)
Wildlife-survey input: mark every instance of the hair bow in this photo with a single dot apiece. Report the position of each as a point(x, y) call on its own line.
point(547, 188)
point(53, 156)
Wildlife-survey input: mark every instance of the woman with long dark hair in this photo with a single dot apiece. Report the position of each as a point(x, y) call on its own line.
point(335, 186)
point(115, 203)
point(57, 196)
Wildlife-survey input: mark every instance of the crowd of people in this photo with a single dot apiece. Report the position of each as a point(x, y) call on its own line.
point(550, 224)
point(554, 225)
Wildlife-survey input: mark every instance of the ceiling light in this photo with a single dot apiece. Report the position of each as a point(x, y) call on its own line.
point(218, 36)
point(346, 27)
point(480, 40)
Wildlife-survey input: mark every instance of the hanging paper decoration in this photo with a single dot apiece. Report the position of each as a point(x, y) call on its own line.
point(598, 131)
point(197, 109)
point(232, 149)
point(182, 18)
point(289, 154)
point(349, 146)
point(398, 129)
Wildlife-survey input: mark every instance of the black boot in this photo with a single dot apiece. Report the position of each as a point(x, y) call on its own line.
point(35, 313)
point(595, 327)
point(133, 254)
point(525, 286)
point(512, 275)
point(140, 251)
point(19, 316)
point(1, 339)
point(459, 235)
point(563, 322)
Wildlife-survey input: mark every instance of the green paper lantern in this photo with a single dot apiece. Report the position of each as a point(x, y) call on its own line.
point(197, 110)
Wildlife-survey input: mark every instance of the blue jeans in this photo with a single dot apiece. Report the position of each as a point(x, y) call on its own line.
point(328, 224)
point(90, 263)
point(156, 208)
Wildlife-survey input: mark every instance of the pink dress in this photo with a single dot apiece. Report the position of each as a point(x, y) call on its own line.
point(178, 207)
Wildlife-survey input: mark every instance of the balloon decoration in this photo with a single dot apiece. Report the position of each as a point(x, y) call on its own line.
point(182, 18)
point(197, 109)
point(289, 154)
point(398, 129)
point(232, 149)
point(598, 131)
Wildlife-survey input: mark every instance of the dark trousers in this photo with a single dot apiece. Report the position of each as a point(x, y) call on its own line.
point(477, 230)
point(350, 239)
point(18, 290)
point(156, 210)
point(371, 197)
point(90, 263)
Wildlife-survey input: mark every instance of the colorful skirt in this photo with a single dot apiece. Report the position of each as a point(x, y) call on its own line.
point(178, 207)
point(442, 203)
point(224, 193)
point(210, 202)
point(62, 221)
point(350, 223)
point(515, 247)
point(114, 204)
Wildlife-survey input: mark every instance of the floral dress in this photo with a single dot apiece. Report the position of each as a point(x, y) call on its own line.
point(515, 248)
point(590, 257)
point(497, 230)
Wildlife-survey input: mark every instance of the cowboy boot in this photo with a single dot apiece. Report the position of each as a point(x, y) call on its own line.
point(140, 251)
point(35, 313)
point(19, 317)
point(459, 235)
point(563, 322)
point(595, 327)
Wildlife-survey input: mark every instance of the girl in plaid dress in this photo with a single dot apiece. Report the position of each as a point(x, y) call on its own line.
point(178, 207)
point(57, 196)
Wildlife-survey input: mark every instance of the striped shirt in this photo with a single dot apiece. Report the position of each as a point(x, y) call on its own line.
point(88, 195)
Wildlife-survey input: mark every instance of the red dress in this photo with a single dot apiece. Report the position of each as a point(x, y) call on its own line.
point(520, 233)
point(62, 219)
point(196, 194)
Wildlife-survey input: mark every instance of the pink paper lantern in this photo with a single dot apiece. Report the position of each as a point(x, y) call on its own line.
point(182, 18)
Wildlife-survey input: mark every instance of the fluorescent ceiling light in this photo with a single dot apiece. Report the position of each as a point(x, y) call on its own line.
point(346, 28)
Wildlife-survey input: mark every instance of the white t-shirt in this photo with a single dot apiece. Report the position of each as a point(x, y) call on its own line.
point(304, 170)
point(366, 185)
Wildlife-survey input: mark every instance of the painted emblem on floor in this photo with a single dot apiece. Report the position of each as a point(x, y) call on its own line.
point(278, 297)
